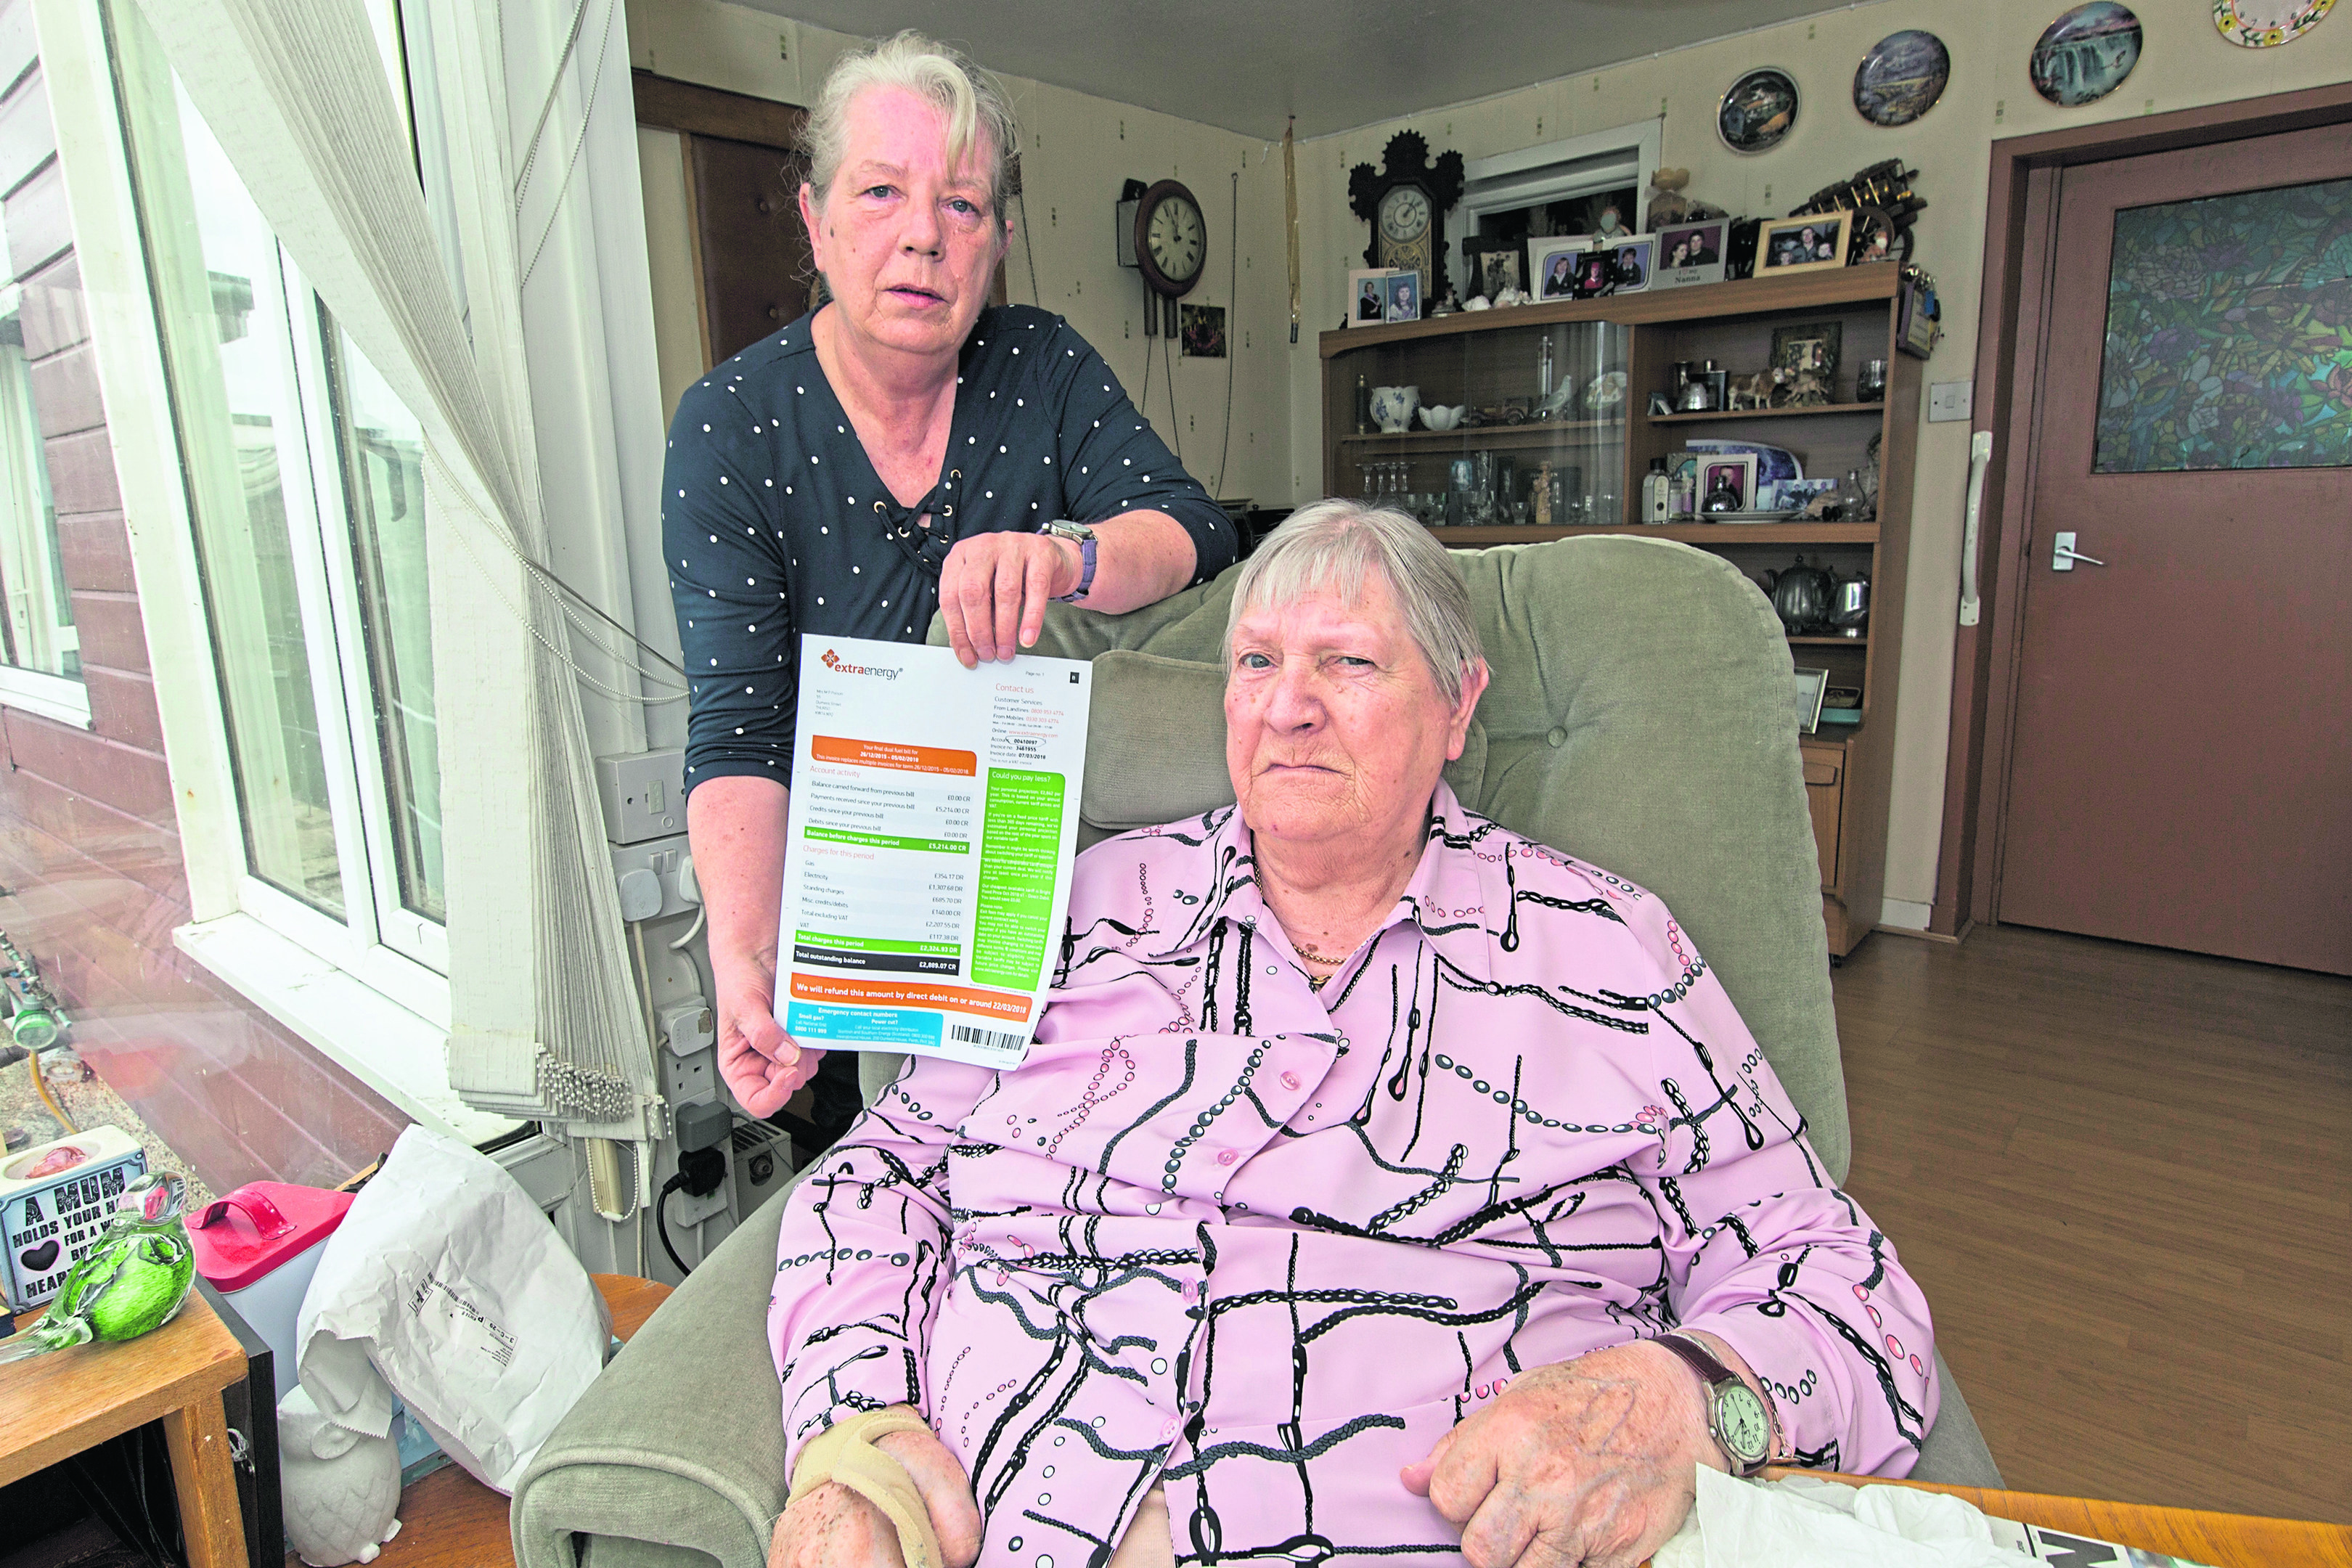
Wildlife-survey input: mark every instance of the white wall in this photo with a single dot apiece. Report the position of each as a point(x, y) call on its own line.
point(2184, 63)
point(1077, 150)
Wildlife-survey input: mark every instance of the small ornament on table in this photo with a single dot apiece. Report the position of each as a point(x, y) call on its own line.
point(132, 1282)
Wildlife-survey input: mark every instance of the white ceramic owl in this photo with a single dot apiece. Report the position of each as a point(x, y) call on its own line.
point(339, 1488)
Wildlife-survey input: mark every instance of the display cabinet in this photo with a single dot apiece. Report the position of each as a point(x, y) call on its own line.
point(1590, 437)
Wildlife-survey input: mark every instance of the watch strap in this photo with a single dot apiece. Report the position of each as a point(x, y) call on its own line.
point(1087, 544)
point(1714, 1374)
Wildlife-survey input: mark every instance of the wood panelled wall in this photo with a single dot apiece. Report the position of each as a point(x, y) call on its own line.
point(89, 849)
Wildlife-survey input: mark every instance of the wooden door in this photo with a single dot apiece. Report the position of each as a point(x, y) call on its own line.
point(750, 242)
point(2180, 769)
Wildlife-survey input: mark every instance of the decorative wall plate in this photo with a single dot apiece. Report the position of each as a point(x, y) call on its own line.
point(1902, 76)
point(2086, 53)
point(1759, 111)
point(2263, 23)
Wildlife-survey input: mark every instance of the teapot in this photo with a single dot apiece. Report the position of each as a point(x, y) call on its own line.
point(1800, 596)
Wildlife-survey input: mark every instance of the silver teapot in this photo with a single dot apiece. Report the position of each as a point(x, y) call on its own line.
point(1850, 606)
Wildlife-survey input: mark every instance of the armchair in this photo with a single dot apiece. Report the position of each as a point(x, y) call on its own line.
point(1639, 717)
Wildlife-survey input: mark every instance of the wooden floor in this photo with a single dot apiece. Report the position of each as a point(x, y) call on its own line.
point(2124, 1177)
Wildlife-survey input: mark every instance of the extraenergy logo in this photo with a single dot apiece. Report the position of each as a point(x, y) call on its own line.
point(833, 661)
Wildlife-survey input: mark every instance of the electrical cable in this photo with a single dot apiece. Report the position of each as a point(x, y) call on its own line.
point(691, 932)
point(661, 1221)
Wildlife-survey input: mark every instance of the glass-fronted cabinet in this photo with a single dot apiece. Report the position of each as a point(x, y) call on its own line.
point(1521, 424)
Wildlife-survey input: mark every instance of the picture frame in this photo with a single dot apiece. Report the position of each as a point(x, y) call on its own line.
point(1552, 267)
point(1790, 352)
point(1691, 253)
point(1367, 296)
point(1812, 685)
point(1636, 262)
point(1402, 290)
point(1491, 266)
point(1203, 331)
point(1811, 242)
point(1718, 470)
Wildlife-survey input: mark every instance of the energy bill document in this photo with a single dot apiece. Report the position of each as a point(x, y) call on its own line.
point(934, 820)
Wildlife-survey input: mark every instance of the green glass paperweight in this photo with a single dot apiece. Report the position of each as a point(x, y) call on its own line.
point(133, 1280)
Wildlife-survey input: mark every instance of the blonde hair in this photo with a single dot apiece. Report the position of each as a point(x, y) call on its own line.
point(1337, 545)
point(975, 107)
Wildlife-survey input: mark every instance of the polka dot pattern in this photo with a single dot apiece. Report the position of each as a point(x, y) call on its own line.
point(832, 560)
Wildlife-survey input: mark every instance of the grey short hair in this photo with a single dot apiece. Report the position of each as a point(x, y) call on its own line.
point(975, 106)
point(1336, 545)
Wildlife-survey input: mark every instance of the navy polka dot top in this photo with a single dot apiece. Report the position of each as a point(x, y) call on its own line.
point(774, 523)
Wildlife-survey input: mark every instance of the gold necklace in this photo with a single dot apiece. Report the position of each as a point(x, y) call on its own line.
point(1309, 953)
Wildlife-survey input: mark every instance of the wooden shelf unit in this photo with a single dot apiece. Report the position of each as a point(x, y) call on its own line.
point(1484, 357)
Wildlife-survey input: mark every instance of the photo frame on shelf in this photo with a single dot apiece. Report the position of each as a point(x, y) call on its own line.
point(1551, 267)
point(1368, 304)
point(1726, 483)
point(1635, 262)
point(1812, 684)
point(1812, 242)
point(1490, 266)
point(1402, 290)
point(1809, 346)
point(1691, 253)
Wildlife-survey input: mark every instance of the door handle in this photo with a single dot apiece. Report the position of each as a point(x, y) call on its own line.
point(1979, 459)
point(2063, 554)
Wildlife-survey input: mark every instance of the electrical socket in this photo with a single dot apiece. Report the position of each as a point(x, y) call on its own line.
point(690, 1078)
point(642, 795)
point(661, 859)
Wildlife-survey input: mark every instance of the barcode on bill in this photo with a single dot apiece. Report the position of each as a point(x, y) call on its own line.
point(991, 1039)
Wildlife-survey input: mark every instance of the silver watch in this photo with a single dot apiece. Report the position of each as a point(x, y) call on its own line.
point(1085, 538)
point(1736, 1416)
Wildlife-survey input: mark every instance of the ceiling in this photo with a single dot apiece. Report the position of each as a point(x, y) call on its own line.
point(1335, 64)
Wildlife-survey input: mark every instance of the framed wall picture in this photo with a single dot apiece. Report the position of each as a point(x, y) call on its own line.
point(1551, 266)
point(1402, 290)
point(1811, 243)
point(1690, 253)
point(1811, 684)
point(1368, 299)
point(1635, 260)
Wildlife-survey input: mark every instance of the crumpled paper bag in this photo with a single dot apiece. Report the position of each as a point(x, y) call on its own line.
point(447, 1279)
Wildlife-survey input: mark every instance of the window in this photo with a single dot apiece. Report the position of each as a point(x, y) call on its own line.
point(39, 645)
point(305, 484)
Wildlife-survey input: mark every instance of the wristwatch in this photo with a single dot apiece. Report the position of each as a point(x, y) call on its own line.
point(1086, 541)
point(1736, 1416)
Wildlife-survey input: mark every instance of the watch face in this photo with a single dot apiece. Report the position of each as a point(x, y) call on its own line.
point(1404, 214)
point(1178, 239)
point(1742, 1424)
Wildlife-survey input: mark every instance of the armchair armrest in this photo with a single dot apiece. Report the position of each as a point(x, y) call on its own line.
point(680, 1442)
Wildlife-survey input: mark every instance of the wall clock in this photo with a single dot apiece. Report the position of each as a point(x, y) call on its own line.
point(1406, 202)
point(2261, 24)
point(1171, 240)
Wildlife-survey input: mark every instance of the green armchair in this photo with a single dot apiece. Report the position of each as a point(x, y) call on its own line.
point(1639, 718)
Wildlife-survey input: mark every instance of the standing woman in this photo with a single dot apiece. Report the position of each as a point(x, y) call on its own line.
point(898, 450)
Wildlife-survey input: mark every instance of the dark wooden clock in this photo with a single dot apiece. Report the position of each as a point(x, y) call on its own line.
point(1406, 202)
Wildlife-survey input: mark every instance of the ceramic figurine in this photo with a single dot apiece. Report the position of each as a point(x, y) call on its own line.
point(1477, 302)
point(133, 1280)
point(1746, 392)
point(1668, 205)
point(340, 1489)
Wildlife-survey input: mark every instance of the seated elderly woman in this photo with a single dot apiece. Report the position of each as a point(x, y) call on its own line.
point(1379, 1182)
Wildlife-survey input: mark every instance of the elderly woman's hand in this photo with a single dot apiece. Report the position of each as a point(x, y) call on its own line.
point(1590, 1462)
point(994, 588)
point(834, 1526)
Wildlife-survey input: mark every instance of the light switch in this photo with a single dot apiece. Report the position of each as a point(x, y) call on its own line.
point(1948, 400)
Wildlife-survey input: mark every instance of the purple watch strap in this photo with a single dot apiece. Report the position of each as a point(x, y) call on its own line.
point(1086, 571)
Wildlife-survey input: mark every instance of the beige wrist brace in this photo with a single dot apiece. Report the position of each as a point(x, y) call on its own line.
point(845, 1452)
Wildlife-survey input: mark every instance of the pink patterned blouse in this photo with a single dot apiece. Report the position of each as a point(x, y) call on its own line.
point(1265, 1244)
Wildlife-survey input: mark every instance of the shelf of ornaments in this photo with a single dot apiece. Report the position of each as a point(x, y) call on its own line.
point(1715, 416)
point(1532, 433)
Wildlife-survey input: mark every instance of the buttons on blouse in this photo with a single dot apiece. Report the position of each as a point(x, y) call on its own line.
point(1290, 1080)
point(1227, 1156)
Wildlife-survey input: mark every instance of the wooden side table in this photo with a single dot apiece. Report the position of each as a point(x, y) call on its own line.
point(54, 1406)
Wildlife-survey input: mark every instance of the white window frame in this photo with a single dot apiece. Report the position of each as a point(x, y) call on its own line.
point(1557, 171)
point(63, 698)
point(346, 987)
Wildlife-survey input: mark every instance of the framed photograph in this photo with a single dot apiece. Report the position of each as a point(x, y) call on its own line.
point(1726, 482)
point(1402, 290)
point(1553, 264)
point(1636, 260)
point(1368, 304)
point(1809, 243)
point(1204, 331)
point(1690, 253)
point(1809, 346)
point(1811, 684)
point(1490, 266)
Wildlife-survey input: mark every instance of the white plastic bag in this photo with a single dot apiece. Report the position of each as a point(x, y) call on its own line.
point(447, 1279)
